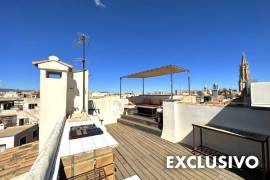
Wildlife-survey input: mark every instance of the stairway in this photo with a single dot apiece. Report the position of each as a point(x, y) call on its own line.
point(141, 122)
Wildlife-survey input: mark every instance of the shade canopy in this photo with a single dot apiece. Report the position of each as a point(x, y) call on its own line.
point(164, 70)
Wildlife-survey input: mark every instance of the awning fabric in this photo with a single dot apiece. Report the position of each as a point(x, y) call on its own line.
point(164, 70)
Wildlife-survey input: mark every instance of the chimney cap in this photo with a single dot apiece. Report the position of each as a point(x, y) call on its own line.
point(53, 58)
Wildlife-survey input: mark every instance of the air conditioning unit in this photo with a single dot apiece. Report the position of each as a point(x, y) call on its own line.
point(260, 94)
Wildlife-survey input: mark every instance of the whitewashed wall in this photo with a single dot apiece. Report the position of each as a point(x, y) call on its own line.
point(110, 108)
point(8, 141)
point(78, 100)
point(53, 102)
point(28, 133)
point(178, 120)
point(260, 96)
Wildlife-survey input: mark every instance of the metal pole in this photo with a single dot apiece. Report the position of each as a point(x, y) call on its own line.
point(120, 87)
point(143, 86)
point(193, 135)
point(267, 154)
point(201, 139)
point(263, 160)
point(83, 62)
point(188, 82)
point(171, 84)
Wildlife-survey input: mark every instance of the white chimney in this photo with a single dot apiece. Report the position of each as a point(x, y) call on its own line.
point(53, 95)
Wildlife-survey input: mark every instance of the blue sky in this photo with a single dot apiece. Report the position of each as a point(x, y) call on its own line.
point(128, 36)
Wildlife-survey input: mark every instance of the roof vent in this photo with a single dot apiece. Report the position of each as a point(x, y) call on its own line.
point(53, 58)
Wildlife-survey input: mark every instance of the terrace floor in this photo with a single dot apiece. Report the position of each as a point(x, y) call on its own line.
point(143, 154)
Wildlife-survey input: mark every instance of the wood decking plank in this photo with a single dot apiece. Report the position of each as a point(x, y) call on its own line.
point(170, 151)
point(131, 163)
point(144, 165)
point(151, 161)
point(144, 170)
point(185, 172)
point(179, 149)
point(125, 164)
point(176, 176)
point(210, 173)
point(118, 174)
point(121, 168)
point(145, 153)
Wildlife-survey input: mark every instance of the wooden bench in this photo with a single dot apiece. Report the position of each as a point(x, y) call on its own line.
point(260, 138)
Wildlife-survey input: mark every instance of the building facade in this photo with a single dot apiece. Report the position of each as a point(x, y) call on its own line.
point(17, 136)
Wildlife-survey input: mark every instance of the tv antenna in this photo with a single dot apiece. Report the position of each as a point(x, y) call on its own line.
point(83, 39)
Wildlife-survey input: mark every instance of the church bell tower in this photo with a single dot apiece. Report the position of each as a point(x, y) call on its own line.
point(244, 75)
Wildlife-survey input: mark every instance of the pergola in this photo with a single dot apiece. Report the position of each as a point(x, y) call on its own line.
point(164, 70)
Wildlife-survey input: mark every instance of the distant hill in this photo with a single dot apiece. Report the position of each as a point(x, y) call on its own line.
point(7, 90)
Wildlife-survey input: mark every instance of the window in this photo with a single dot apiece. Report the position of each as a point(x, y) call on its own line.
point(21, 122)
point(54, 75)
point(26, 121)
point(2, 147)
point(31, 106)
point(23, 140)
point(35, 134)
point(8, 106)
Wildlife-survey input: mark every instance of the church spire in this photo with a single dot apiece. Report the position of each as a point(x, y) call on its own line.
point(244, 74)
point(244, 59)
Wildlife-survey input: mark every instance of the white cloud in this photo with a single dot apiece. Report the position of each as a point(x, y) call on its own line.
point(99, 3)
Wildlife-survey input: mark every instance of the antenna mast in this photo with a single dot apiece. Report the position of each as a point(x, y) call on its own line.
point(83, 39)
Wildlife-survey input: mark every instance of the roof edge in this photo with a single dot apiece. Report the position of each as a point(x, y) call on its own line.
point(37, 62)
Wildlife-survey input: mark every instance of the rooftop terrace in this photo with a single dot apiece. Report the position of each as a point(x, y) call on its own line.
point(143, 154)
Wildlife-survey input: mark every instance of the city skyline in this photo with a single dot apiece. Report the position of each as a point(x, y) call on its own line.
point(127, 37)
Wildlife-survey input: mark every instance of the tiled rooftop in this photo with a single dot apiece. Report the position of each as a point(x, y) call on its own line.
point(12, 131)
point(17, 161)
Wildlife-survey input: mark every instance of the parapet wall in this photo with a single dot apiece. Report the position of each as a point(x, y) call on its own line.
point(110, 108)
point(140, 99)
point(178, 120)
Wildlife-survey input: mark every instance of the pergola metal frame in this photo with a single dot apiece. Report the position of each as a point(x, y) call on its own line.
point(164, 70)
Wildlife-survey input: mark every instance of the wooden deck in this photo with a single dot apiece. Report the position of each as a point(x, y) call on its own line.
point(143, 154)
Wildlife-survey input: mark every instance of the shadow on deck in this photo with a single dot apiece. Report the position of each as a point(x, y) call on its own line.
point(144, 154)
